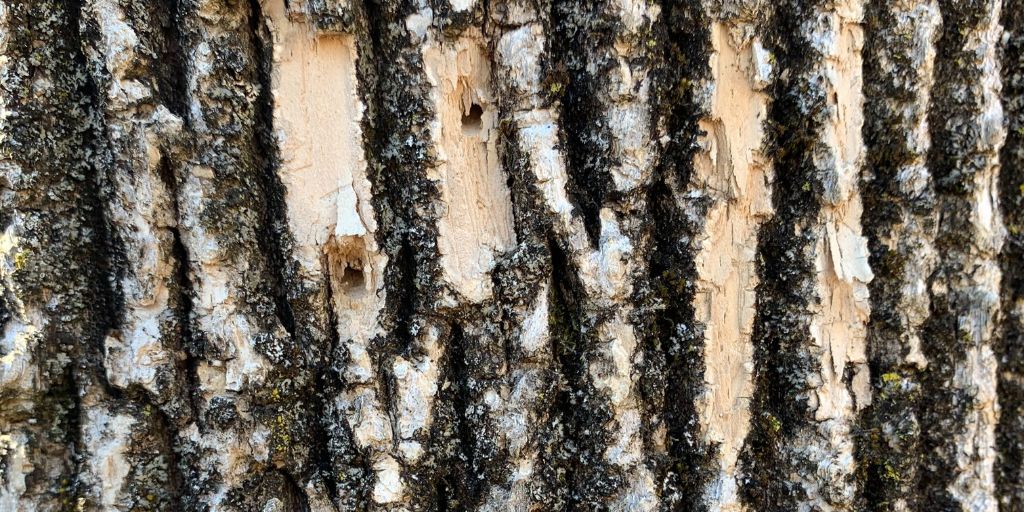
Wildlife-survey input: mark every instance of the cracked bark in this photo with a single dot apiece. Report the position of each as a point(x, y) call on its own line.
point(511, 255)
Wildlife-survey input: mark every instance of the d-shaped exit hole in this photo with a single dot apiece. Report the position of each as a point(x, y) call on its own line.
point(472, 121)
point(349, 274)
point(352, 279)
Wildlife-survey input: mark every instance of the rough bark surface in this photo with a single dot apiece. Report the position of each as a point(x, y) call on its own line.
point(527, 255)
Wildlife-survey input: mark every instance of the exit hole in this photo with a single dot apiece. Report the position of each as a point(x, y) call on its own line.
point(472, 122)
point(352, 279)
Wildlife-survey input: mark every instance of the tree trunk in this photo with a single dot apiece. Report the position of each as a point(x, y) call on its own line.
point(522, 255)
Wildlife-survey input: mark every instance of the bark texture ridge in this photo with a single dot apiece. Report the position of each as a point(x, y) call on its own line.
point(511, 255)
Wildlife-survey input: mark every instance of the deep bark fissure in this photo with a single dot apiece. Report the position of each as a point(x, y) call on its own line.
point(170, 74)
point(786, 272)
point(1010, 344)
point(574, 463)
point(399, 152)
point(887, 444)
point(955, 158)
point(275, 218)
point(298, 500)
point(395, 131)
point(673, 377)
point(190, 345)
point(405, 265)
point(466, 484)
point(103, 304)
point(579, 65)
point(677, 338)
point(328, 383)
point(168, 436)
point(69, 391)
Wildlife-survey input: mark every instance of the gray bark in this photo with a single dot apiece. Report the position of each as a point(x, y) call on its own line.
point(511, 255)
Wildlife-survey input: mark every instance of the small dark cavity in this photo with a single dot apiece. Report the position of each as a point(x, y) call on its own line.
point(472, 121)
point(352, 279)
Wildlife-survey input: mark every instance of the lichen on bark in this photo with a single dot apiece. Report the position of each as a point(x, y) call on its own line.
point(510, 255)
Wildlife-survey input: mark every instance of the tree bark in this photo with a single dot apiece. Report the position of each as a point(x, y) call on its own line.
point(528, 255)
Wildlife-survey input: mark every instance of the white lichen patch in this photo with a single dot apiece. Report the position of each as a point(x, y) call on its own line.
point(106, 436)
point(389, 487)
point(18, 372)
point(16, 369)
point(16, 466)
point(417, 383)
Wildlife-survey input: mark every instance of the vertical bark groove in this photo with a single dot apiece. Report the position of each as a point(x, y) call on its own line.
point(779, 409)
point(527, 255)
point(965, 123)
point(899, 223)
point(673, 377)
point(1010, 344)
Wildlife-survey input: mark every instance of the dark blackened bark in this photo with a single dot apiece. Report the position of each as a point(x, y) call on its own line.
point(580, 62)
point(779, 410)
point(898, 222)
point(965, 125)
point(57, 301)
point(1010, 344)
point(673, 378)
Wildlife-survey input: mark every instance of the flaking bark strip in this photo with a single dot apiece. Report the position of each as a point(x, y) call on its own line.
point(958, 403)
point(733, 179)
point(331, 268)
point(483, 267)
point(898, 221)
point(1010, 345)
point(842, 386)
